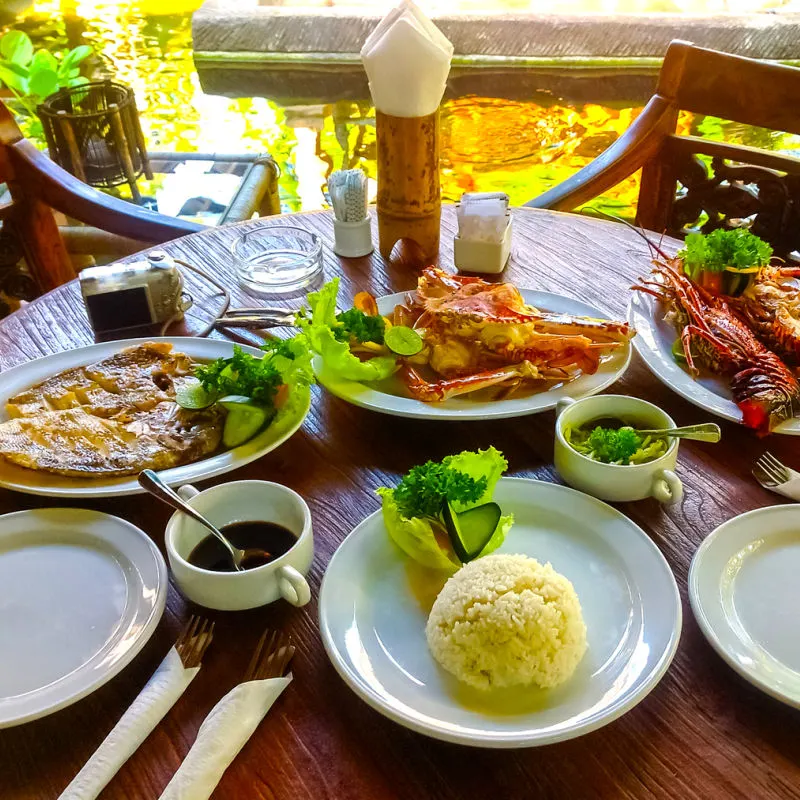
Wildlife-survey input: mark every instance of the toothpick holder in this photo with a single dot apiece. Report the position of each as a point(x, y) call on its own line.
point(409, 196)
point(352, 239)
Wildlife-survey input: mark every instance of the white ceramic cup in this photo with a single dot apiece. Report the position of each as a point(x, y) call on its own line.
point(242, 501)
point(616, 482)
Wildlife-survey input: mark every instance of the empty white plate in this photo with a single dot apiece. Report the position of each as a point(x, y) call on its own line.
point(81, 594)
point(744, 591)
point(374, 604)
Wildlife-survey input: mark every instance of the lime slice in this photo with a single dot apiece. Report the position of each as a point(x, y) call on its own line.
point(402, 340)
point(191, 394)
point(471, 530)
point(245, 419)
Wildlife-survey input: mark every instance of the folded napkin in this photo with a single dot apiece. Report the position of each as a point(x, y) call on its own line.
point(163, 689)
point(222, 735)
point(790, 489)
point(407, 60)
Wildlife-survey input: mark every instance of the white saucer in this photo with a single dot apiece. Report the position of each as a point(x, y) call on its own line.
point(745, 593)
point(373, 609)
point(81, 594)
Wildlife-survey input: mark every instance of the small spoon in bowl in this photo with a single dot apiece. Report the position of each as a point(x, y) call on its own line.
point(150, 481)
point(704, 432)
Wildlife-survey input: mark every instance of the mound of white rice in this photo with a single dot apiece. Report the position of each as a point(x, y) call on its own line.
point(506, 620)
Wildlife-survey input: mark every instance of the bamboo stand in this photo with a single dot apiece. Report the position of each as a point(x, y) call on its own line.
point(409, 198)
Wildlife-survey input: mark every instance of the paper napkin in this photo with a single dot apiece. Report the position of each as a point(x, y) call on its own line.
point(222, 735)
point(163, 689)
point(790, 489)
point(407, 60)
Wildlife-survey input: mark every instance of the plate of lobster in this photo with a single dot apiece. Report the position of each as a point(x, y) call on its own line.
point(725, 338)
point(484, 351)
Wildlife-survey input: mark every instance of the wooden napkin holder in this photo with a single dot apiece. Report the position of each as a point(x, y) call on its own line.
point(409, 196)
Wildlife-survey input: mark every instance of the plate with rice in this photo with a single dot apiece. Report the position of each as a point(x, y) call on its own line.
point(567, 626)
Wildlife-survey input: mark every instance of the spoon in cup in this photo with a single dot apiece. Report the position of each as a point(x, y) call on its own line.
point(150, 481)
point(704, 432)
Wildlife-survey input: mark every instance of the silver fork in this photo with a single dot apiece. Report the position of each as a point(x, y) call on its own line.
point(770, 472)
point(271, 657)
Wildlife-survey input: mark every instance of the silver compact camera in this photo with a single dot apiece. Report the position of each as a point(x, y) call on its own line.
point(134, 295)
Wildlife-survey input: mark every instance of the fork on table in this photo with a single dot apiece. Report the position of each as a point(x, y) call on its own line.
point(774, 475)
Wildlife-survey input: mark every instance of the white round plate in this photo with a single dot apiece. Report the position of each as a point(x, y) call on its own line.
point(745, 594)
point(653, 341)
point(82, 593)
point(374, 605)
point(44, 483)
point(391, 396)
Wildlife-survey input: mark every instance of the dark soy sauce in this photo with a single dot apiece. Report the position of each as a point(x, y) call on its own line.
point(210, 553)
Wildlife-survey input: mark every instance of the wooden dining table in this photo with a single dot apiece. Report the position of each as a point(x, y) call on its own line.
point(703, 732)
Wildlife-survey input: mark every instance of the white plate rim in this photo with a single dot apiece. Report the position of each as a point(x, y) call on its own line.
point(211, 466)
point(699, 605)
point(146, 631)
point(517, 739)
point(640, 316)
point(369, 398)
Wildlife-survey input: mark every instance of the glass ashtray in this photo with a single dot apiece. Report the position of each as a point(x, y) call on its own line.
point(277, 259)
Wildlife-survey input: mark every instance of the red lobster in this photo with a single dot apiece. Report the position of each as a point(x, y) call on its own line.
point(764, 388)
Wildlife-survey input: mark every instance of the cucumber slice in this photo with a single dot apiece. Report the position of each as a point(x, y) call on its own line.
point(191, 394)
point(471, 530)
point(677, 351)
point(245, 419)
point(402, 340)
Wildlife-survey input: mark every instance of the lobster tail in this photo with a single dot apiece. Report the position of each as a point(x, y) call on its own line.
point(766, 394)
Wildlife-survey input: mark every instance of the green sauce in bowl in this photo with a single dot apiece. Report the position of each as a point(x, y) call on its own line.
point(612, 441)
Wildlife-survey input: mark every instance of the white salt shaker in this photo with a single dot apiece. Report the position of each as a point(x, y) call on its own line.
point(483, 243)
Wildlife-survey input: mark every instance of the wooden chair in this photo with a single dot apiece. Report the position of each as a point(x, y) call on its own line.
point(741, 182)
point(38, 186)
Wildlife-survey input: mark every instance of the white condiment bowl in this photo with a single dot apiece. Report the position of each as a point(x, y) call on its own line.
point(616, 482)
point(242, 501)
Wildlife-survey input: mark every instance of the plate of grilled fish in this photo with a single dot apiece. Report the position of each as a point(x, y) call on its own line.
point(84, 423)
point(483, 351)
point(734, 353)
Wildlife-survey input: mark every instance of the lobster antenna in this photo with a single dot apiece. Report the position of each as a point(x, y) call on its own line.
point(652, 245)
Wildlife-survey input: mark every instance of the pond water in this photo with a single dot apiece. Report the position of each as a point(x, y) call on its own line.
point(520, 146)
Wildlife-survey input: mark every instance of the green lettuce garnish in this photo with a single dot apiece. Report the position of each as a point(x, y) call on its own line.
point(412, 512)
point(722, 249)
point(323, 331)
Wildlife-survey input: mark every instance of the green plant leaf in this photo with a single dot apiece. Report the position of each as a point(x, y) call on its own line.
point(11, 77)
point(75, 56)
point(42, 59)
point(16, 46)
point(43, 82)
point(79, 81)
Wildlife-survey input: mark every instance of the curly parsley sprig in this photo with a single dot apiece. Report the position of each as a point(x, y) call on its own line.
point(426, 489)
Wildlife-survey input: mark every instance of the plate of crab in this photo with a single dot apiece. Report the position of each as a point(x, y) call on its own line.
point(719, 323)
point(469, 349)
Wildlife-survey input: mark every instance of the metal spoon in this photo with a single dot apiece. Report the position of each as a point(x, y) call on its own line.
point(149, 481)
point(704, 432)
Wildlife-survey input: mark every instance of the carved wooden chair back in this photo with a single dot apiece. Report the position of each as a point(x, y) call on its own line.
point(37, 187)
point(689, 177)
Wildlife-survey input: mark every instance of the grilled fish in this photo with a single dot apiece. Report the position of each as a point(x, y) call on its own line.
point(109, 419)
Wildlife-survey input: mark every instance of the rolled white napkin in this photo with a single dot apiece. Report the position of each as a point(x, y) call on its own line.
point(407, 60)
point(160, 693)
point(222, 735)
point(791, 488)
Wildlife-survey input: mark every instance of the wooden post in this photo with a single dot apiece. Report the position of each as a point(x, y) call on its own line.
point(72, 146)
point(123, 152)
point(409, 196)
point(138, 133)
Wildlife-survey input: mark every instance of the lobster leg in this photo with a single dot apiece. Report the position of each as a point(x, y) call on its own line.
point(436, 391)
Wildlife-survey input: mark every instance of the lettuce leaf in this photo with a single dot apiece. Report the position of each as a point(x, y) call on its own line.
point(416, 536)
point(320, 331)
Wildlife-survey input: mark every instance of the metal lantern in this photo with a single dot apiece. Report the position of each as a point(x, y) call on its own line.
point(93, 131)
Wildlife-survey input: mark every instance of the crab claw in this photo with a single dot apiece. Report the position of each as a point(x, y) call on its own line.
point(436, 391)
